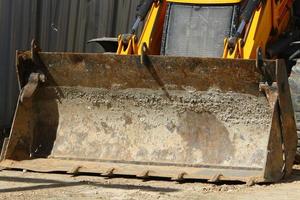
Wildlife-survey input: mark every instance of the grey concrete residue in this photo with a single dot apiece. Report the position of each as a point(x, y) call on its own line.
point(192, 127)
point(230, 107)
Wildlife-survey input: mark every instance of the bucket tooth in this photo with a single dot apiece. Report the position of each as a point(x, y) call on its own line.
point(74, 170)
point(215, 178)
point(179, 177)
point(252, 181)
point(144, 174)
point(109, 173)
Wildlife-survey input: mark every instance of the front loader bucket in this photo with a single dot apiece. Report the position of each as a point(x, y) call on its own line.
point(176, 117)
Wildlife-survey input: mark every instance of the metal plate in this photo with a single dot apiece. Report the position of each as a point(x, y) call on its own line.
point(193, 115)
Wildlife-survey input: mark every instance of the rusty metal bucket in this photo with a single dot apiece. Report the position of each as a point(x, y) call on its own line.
point(176, 117)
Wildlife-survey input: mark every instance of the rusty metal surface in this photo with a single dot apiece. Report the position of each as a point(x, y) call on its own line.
point(32, 84)
point(289, 132)
point(175, 73)
point(173, 113)
point(103, 168)
point(283, 137)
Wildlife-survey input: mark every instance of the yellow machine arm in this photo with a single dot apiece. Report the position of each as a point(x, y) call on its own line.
point(151, 34)
point(269, 20)
point(264, 24)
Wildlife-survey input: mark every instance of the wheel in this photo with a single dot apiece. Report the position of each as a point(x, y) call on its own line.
point(294, 81)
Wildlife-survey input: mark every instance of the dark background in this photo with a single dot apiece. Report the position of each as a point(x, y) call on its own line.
point(58, 25)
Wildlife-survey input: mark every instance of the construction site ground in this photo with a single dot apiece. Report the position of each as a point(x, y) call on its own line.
point(29, 185)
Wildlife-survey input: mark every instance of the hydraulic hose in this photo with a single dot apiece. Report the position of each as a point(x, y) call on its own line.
point(141, 14)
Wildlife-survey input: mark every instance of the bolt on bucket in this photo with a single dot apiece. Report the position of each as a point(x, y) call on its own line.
point(176, 117)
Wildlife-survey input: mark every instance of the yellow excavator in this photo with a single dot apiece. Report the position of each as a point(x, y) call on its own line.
point(196, 90)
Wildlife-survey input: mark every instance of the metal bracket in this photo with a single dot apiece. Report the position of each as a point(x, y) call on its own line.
point(144, 53)
point(35, 77)
point(35, 49)
point(271, 92)
point(126, 38)
point(32, 85)
point(262, 66)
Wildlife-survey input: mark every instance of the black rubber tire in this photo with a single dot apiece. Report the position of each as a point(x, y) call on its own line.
point(294, 81)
